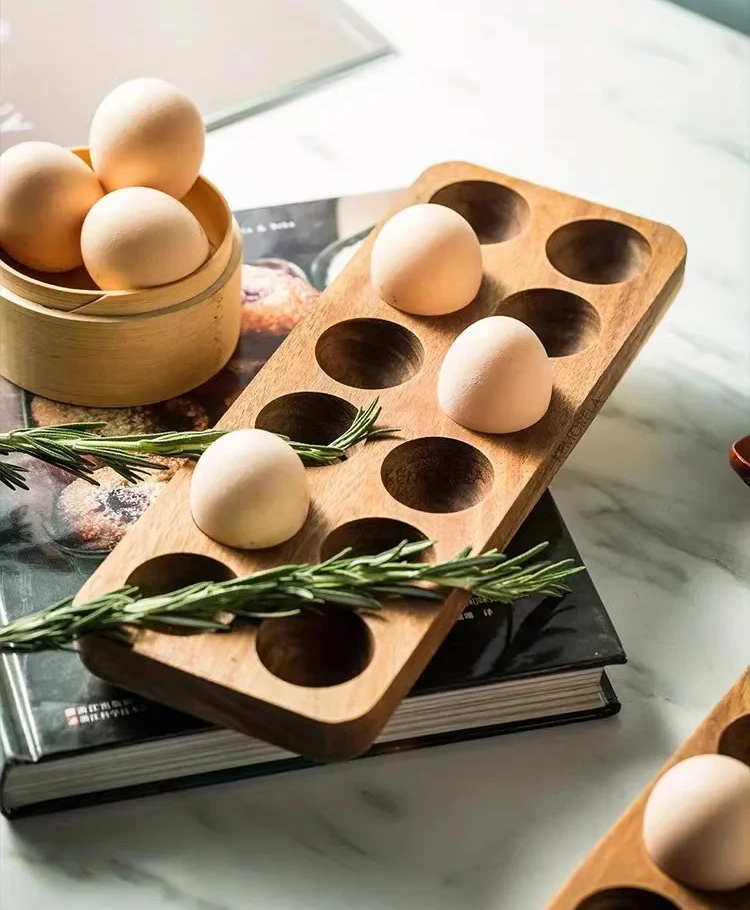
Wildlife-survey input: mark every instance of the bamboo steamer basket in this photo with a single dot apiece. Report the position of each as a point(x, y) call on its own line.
point(72, 342)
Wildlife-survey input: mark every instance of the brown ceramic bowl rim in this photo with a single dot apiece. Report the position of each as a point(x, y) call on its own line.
point(741, 450)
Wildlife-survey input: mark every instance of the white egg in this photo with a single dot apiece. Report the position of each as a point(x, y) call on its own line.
point(496, 377)
point(249, 490)
point(426, 260)
point(696, 825)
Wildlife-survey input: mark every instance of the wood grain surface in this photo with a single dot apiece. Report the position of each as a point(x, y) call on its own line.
point(618, 874)
point(591, 281)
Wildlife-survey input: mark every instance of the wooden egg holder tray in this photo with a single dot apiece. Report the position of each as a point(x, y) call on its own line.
point(618, 875)
point(324, 687)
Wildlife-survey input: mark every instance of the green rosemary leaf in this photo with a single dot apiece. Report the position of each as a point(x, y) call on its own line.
point(207, 625)
point(412, 591)
point(360, 583)
point(79, 449)
point(13, 476)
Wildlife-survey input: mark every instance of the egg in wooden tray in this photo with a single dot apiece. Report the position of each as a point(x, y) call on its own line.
point(684, 842)
point(492, 324)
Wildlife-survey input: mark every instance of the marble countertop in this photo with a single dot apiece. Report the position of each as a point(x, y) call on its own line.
point(640, 105)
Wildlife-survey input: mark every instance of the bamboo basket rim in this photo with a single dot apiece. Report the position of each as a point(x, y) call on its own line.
point(136, 301)
point(84, 316)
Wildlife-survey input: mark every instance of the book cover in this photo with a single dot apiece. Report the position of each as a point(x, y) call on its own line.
point(53, 536)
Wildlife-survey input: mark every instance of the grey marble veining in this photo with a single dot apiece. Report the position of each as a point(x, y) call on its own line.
point(641, 105)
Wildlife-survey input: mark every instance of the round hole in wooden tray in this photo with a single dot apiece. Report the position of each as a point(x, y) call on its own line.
point(315, 418)
point(626, 899)
point(369, 536)
point(369, 353)
point(735, 739)
point(496, 212)
point(315, 649)
point(598, 251)
point(172, 571)
point(437, 474)
point(565, 323)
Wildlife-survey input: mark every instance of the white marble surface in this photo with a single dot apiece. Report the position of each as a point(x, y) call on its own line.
point(640, 105)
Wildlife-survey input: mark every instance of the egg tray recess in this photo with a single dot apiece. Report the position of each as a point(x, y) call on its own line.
point(618, 874)
point(592, 283)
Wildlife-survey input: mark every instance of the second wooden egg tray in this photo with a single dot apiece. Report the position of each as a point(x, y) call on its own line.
point(592, 283)
point(619, 875)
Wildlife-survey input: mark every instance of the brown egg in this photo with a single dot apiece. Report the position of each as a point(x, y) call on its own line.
point(696, 825)
point(141, 238)
point(496, 377)
point(45, 193)
point(147, 133)
point(426, 260)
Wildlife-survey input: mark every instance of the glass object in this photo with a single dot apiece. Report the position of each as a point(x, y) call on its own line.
point(232, 57)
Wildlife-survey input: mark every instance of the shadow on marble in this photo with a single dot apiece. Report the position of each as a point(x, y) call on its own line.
point(423, 831)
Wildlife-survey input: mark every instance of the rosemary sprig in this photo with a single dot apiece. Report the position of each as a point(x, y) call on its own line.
point(359, 583)
point(79, 449)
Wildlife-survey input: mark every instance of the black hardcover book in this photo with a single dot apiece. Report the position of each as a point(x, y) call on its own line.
point(67, 738)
